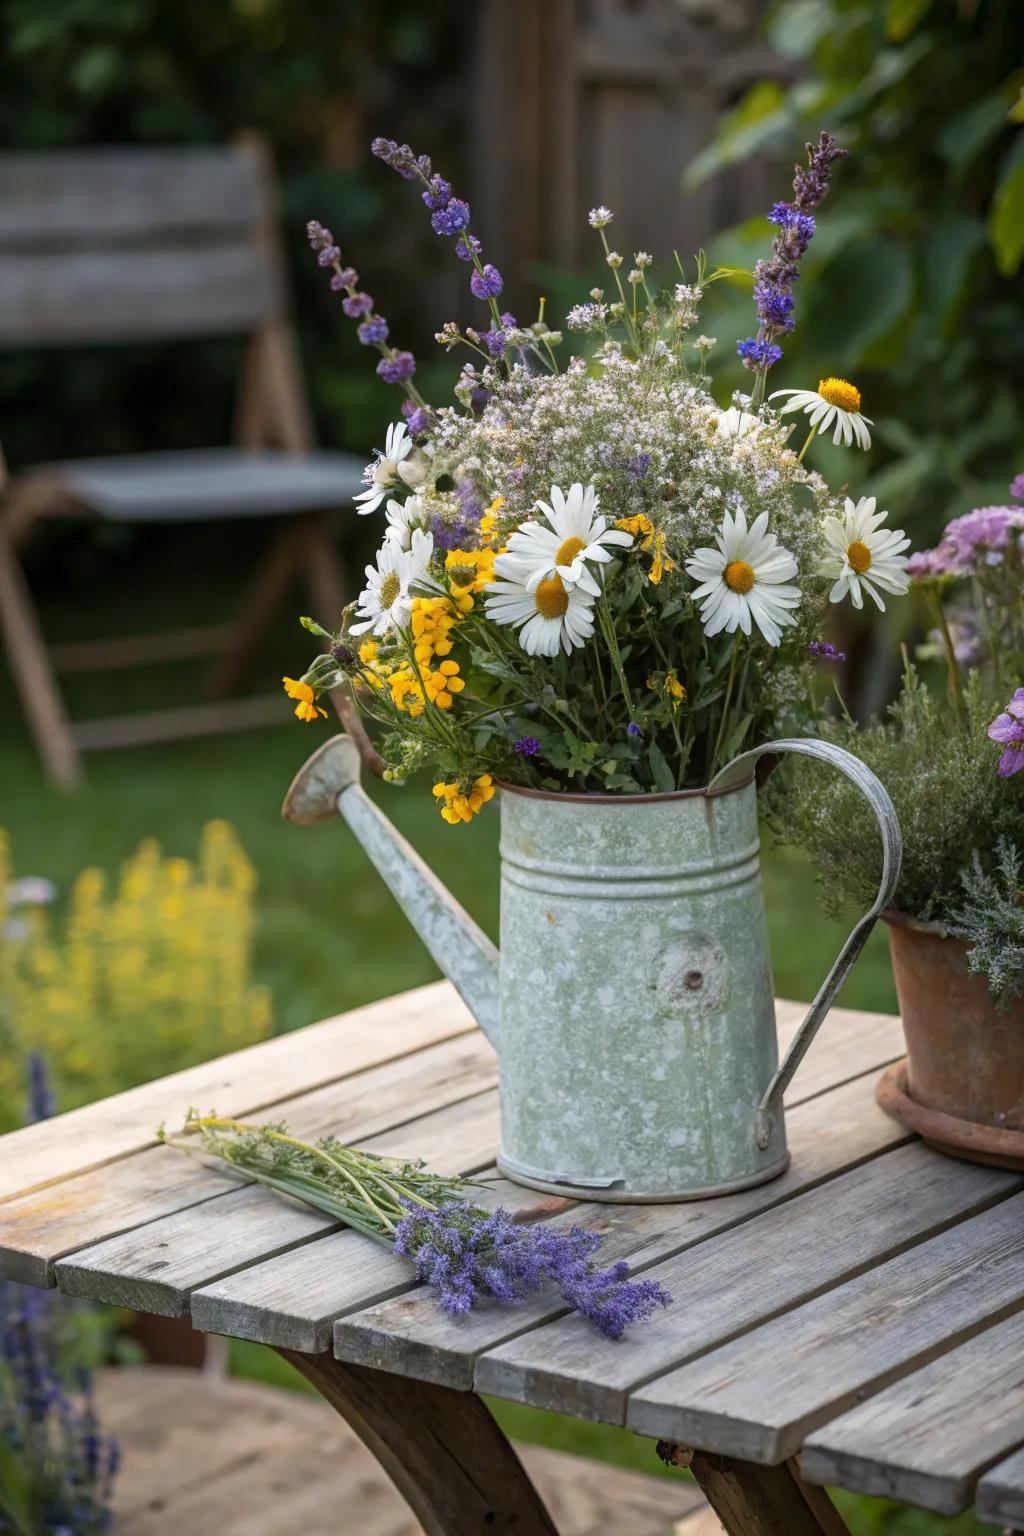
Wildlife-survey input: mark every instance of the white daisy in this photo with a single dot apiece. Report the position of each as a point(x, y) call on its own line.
point(386, 600)
point(834, 400)
point(402, 518)
point(745, 579)
point(575, 535)
point(549, 614)
point(381, 472)
point(863, 555)
point(737, 423)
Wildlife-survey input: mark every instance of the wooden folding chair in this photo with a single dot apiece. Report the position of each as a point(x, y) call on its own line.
point(131, 245)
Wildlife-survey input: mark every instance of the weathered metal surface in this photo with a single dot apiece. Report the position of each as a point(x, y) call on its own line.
point(892, 857)
point(637, 1035)
point(965, 1055)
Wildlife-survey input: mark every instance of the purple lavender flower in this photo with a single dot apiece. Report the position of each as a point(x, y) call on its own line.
point(632, 729)
point(980, 535)
point(357, 304)
point(401, 159)
point(438, 194)
point(452, 219)
point(1008, 730)
point(824, 650)
point(526, 746)
point(486, 283)
point(467, 247)
point(758, 354)
point(1017, 488)
point(465, 1254)
point(774, 279)
point(67, 1467)
point(397, 368)
point(373, 331)
point(637, 467)
point(416, 418)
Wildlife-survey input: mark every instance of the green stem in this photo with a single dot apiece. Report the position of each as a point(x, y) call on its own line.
point(952, 665)
point(812, 434)
point(726, 703)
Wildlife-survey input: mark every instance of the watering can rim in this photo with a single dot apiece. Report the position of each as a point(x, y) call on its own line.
point(581, 797)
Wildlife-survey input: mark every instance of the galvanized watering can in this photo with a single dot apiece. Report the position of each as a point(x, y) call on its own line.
point(631, 1005)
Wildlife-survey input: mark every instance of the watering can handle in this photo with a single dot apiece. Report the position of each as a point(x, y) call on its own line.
point(738, 772)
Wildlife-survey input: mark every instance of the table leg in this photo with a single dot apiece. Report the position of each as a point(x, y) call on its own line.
point(441, 1448)
point(752, 1500)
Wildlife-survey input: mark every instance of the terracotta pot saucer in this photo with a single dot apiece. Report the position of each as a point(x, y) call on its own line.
point(947, 1133)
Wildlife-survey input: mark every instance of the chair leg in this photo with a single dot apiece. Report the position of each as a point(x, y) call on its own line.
point(33, 674)
point(275, 576)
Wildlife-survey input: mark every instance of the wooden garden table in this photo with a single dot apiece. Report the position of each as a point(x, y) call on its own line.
point(859, 1321)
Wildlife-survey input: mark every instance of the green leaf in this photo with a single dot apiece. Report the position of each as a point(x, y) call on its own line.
point(15, 1492)
point(796, 28)
point(315, 628)
point(664, 778)
point(965, 136)
point(1006, 221)
point(902, 16)
point(948, 248)
point(876, 284)
point(759, 117)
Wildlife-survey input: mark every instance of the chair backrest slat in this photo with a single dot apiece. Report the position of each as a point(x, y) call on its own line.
point(130, 244)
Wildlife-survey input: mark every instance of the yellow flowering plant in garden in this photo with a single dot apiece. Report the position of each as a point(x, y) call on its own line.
point(593, 575)
point(136, 982)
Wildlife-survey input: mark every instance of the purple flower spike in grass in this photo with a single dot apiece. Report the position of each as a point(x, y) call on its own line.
point(1008, 730)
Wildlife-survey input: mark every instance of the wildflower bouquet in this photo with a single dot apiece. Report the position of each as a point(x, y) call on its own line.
point(462, 1249)
point(592, 576)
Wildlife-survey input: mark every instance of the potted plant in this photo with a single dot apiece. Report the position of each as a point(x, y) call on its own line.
point(956, 930)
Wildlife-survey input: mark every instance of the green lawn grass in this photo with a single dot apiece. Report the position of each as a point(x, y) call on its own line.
point(329, 936)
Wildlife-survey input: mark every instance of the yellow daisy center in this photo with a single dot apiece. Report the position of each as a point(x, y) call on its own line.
point(551, 599)
point(859, 556)
point(739, 576)
point(839, 392)
point(568, 551)
point(389, 589)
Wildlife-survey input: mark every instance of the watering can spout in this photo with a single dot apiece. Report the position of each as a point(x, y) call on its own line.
point(328, 784)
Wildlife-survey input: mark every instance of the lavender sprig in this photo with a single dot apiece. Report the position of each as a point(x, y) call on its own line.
point(774, 278)
point(395, 366)
point(449, 217)
point(465, 1252)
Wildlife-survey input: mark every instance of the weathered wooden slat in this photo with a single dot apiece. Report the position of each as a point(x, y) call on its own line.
point(156, 1267)
point(760, 1396)
point(238, 1084)
point(130, 295)
point(737, 1280)
point(97, 196)
point(294, 1301)
point(140, 650)
point(146, 727)
point(1001, 1493)
point(49, 1224)
point(927, 1439)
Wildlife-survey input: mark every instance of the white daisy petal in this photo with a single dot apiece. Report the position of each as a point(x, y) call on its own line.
point(748, 583)
point(863, 555)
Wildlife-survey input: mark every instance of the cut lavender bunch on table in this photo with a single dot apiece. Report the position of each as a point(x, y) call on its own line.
point(464, 1251)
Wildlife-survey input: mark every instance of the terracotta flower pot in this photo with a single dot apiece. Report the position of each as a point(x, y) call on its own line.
point(962, 1083)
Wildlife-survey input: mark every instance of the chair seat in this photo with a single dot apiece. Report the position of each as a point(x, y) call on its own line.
point(203, 483)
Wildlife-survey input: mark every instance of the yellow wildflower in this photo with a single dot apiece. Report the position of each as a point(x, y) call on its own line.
point(460, 805)
point(669, 686)
point(651, 539)
point(489, 521)
point(307, 707)
point(440, 685)
point(470, 570)
point(368, 651)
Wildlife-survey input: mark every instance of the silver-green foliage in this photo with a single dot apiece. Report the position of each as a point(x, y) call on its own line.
point(991, 919)
point(942, 778)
